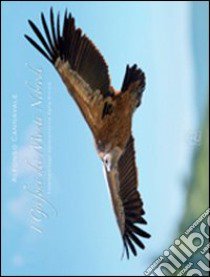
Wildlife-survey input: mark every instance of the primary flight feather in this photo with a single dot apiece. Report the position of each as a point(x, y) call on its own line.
point(107, 112)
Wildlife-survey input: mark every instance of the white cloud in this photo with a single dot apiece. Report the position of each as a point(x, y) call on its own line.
point(18, 207)
point(18, 260)
point(26, 154)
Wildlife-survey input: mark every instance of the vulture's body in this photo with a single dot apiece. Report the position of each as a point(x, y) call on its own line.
point(107, 112)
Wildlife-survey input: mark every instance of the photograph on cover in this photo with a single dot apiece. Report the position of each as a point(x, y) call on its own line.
point(105, 138)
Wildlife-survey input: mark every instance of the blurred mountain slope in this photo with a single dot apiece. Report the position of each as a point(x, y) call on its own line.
point(198, 184)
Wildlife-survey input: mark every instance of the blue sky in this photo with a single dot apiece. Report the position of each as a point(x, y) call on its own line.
point(79, 235)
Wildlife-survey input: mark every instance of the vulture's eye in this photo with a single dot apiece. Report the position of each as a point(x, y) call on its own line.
point(107, 162)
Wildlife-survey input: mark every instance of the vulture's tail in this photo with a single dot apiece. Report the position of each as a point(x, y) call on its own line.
point(132, 75)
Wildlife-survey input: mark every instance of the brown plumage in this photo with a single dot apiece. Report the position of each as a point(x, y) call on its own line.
point(107, 112)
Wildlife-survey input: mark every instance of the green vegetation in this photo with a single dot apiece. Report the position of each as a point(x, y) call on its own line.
point(197, 197)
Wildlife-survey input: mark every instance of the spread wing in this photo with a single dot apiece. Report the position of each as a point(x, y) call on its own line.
point(80, 64)
point(126, 200)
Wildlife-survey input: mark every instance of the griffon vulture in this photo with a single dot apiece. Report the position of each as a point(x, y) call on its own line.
point(107, 112)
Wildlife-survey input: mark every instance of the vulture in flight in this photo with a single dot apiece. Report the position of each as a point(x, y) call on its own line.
point(107, 112)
